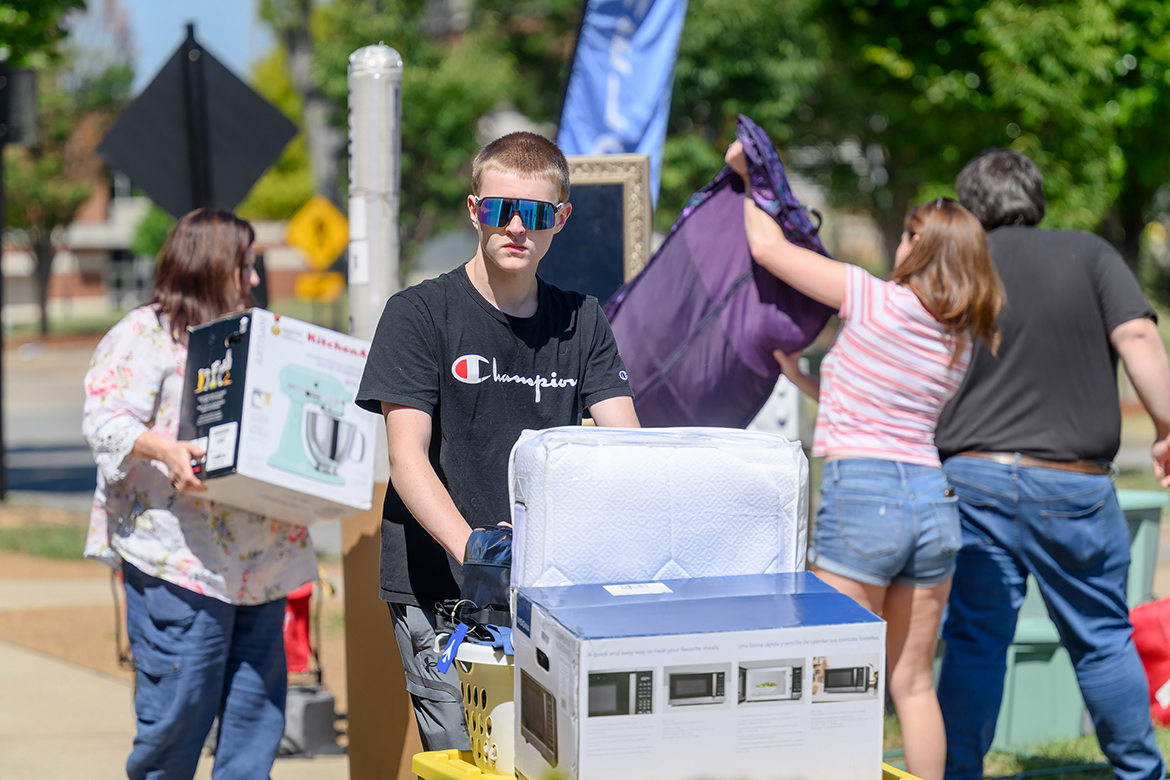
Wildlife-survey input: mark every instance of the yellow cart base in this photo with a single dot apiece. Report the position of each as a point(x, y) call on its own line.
point(456, 765)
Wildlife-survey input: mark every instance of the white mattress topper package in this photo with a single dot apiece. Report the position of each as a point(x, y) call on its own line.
point(614, 505)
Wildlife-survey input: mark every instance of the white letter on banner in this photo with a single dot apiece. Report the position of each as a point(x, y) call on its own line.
point(613, 115)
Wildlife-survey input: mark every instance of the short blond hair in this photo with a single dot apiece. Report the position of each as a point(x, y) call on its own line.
point(527, 155)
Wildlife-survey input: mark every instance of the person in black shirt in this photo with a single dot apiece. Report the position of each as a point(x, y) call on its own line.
point(1027, 443)
point(459, 366)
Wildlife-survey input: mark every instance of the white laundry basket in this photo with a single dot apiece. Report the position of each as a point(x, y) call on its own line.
point(485, 680)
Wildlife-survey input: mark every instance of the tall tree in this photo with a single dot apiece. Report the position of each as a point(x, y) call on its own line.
point(285, 186)
point(447, 86)
point(1141, 113)
point(915, 88)
point(32, 28)
point(759, 59)
point(46, 183)
point(293, 21)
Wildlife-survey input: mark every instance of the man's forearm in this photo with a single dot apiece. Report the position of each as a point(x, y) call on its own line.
point(1146, 363)
point(419, 487)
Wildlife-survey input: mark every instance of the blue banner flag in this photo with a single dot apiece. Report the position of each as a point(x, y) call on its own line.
point(618, 98)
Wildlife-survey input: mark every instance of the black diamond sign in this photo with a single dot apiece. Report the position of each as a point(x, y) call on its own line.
point(197, 136)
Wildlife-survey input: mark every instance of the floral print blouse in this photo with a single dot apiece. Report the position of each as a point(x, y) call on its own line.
point(134, 385)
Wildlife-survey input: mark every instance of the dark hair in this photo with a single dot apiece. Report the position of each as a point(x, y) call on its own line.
point(1002, 187)
point(950, 270)
point(201, 269)
point(526, 154)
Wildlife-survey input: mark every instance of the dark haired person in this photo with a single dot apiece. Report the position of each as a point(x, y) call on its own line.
point(1028, 442)
point(205, 583)
point(459, 366)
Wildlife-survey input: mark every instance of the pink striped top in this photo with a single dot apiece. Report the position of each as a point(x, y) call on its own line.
point(885, 381)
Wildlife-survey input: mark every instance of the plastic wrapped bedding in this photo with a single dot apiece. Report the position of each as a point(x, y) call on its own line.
point(607, 505)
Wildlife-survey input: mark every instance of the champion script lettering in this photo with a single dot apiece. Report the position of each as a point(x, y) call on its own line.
point(467, 370)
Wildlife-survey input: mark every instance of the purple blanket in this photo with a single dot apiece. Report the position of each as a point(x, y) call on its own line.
point(696, 328)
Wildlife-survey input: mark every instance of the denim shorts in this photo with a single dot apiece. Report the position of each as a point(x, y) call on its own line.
point(881, 522)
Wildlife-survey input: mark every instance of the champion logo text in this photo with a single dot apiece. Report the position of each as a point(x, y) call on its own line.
point(473, 369)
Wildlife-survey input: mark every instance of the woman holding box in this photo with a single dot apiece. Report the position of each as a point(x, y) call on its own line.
point(205, 583)
point(887, 528)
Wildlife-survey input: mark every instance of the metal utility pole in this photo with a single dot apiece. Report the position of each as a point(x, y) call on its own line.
point(375, 150)
point(4, 93)
point(381, 723)
point(18, 125)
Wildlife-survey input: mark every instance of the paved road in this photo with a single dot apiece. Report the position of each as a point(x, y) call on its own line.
point(61, 721)
point(42, 418)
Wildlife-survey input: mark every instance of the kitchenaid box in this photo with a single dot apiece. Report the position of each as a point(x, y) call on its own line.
point(718, 678)
point(271, 401)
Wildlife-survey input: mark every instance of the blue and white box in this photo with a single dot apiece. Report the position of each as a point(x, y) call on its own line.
point(770, 676)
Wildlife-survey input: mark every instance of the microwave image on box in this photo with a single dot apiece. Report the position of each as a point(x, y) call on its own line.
point(771, 681)
point(623, 692)
point(316, 438)
point(844, 679)
point(538, 717)
point(699, 684)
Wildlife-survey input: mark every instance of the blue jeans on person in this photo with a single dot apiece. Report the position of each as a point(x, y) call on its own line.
point(881, 522)
point(1068, 531)
point(198, 658)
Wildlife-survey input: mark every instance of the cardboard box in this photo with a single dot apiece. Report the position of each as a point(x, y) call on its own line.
point(765, 676)
point(271, 400)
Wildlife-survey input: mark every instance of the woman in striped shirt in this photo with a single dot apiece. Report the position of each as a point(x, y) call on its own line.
point(887, 527)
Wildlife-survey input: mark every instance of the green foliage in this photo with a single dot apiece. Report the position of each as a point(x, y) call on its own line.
point(539, 38)
point(758, 59)
point(285, 186)
point(38, 196)
point(32, 27)
point(45, 185)
point(921, 87)
point(880, 102)
point(152, 232)
point(446, 88)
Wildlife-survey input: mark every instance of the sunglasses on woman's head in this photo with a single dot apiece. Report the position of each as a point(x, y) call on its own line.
point(535, 214)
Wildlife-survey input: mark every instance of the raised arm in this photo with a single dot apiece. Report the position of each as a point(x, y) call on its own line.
point(1141, 349)
point(408, 433)
point(815, 275)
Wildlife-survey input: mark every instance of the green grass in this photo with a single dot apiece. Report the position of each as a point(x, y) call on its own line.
point(1072, 754)
point(68, 326)
point(1138, 480)
point(48, 541)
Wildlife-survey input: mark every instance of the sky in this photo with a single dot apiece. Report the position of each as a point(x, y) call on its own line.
point(230, 29)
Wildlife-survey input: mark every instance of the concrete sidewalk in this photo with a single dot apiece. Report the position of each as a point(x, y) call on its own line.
point(62, 720)
point(59, 721)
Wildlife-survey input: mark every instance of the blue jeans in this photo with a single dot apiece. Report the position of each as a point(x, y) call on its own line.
point(198, 658)
point(1068, 531)
point(882, 522)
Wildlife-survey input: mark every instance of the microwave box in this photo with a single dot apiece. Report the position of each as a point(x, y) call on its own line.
point(271, 401)
point(718, 678)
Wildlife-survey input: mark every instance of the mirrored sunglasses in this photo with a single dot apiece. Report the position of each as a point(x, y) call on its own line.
point(535, 214)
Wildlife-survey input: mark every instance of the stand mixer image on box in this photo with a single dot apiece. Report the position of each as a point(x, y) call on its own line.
point(316, 438)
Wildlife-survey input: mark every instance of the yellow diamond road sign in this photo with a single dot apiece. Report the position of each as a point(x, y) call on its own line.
point(319, 286)
point(321, 230)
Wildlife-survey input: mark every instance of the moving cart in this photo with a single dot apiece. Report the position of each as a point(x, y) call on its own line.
point(456, 765)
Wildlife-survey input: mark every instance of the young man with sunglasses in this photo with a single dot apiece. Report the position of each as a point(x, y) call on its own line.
point(459, 366)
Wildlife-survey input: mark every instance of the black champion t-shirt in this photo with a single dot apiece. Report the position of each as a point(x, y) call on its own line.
point(484, 377)
point(1052, 390)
